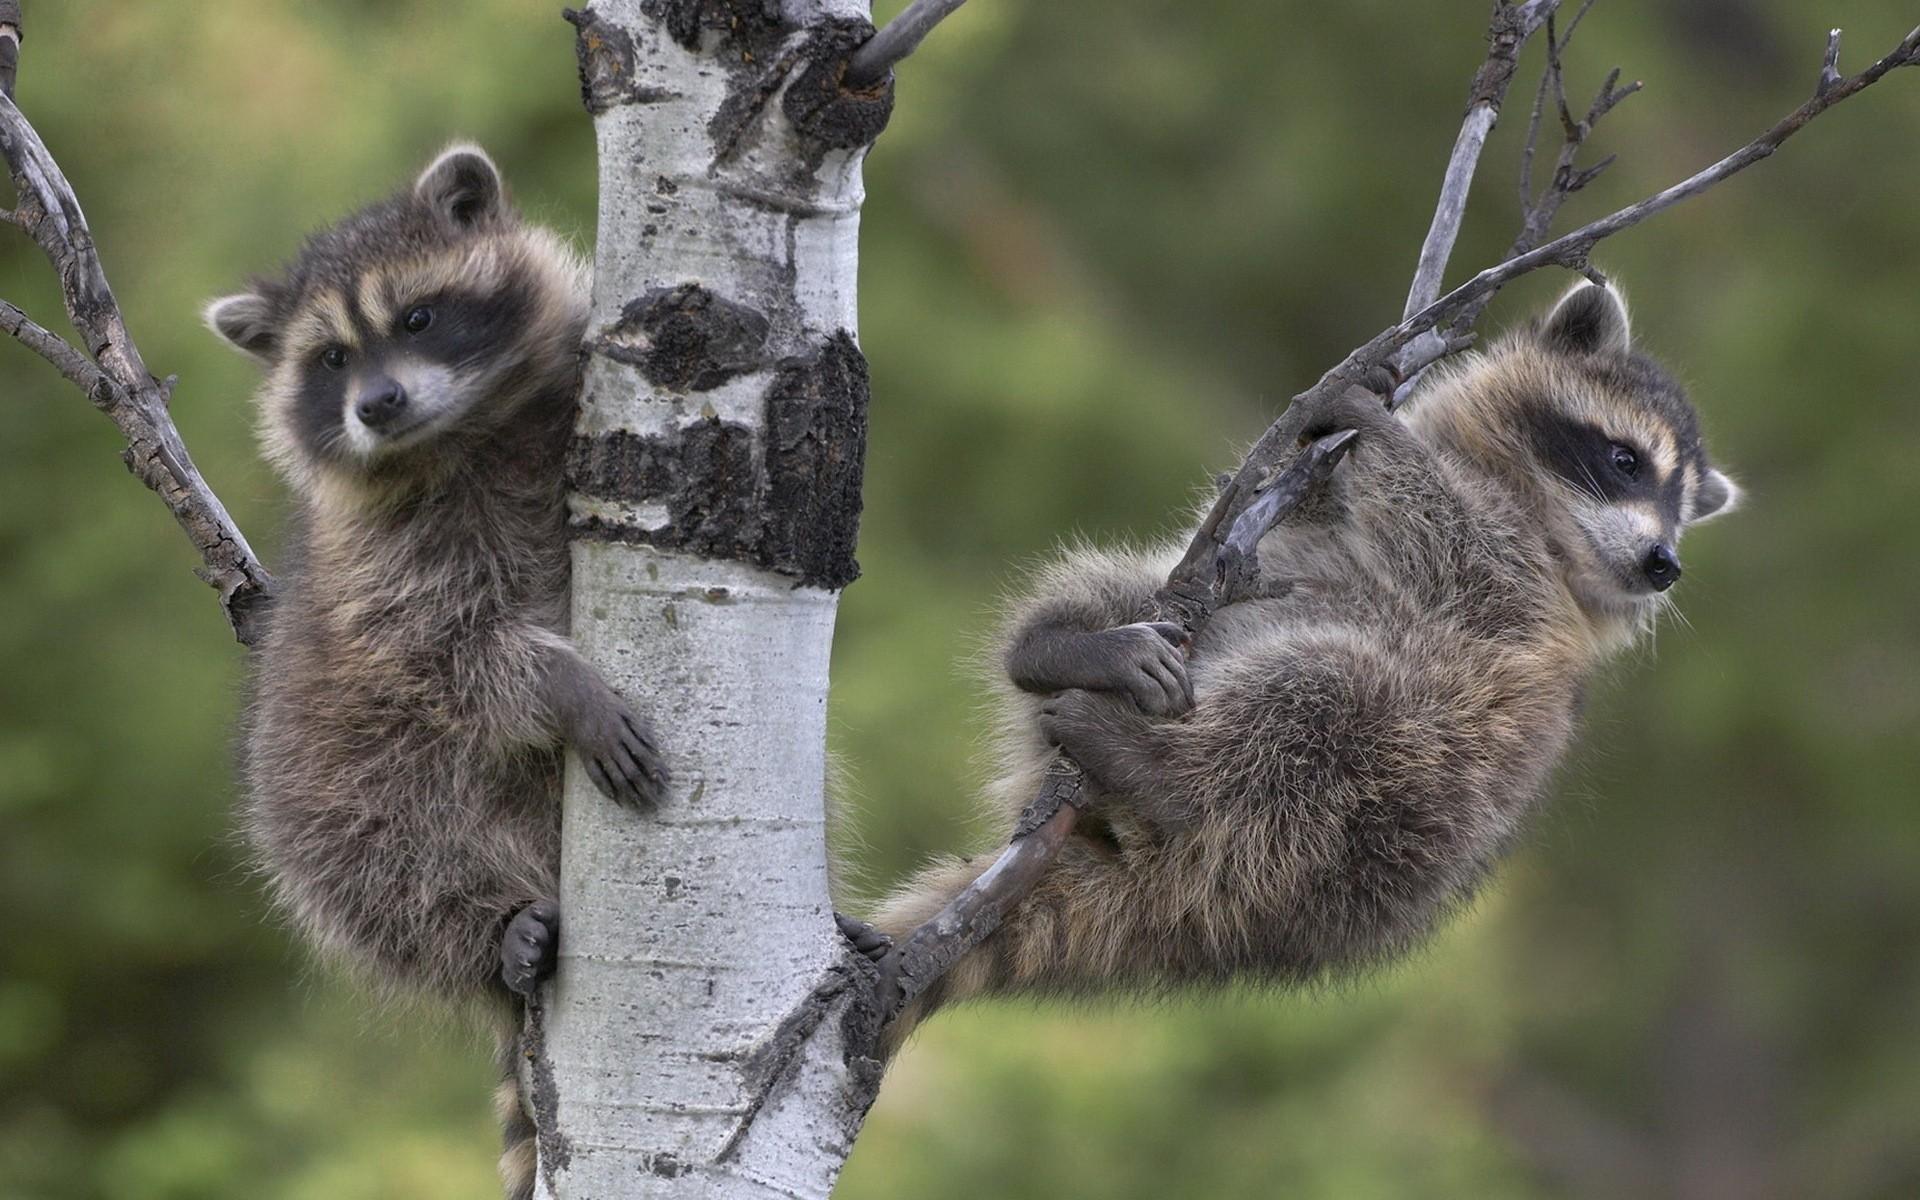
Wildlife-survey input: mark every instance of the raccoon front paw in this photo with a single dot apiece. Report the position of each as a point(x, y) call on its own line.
point(1356, 407)
point(1145, 661)
point(530, 947)
point(617, 748)
point(864, 938)
point(1105, 734)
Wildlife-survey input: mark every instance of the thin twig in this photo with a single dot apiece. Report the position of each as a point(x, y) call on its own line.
point(1571, 250)
point(1539, 211)
point(116, 379)
point(1191, 592)
point(77, 367)
point(1511, 27)
point(902, 36)
point(1508, 32)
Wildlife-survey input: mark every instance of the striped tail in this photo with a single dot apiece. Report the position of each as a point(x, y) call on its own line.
point(518, 1134)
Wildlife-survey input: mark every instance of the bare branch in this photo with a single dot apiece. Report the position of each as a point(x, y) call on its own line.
point(902, 36)
point(1574, 24)
point(115, 378)
point(77, 367)
point(1512, 26)
point(1830, 69)
point(1572, 250)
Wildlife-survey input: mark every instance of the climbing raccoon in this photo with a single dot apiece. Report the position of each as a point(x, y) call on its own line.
point(1341, 756)
point(411, 699)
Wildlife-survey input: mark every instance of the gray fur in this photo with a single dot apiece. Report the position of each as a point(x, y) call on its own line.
point(1369, 731)
point(403, 747)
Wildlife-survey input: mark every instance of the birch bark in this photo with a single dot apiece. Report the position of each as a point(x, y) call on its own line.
point(697, 1038)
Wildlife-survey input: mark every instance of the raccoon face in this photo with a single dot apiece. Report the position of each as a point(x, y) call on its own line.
point(1621, 445)
point(431, 313)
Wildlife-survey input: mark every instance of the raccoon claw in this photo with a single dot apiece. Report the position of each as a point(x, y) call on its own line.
point(1103, 733)
point(865, 939)
point(529, 948)
point(623, 761)
point(1150, 666)
point(1357, 407)
point(1383, 380)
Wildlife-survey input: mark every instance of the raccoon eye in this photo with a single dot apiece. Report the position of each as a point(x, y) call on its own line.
point(333, 357)
point(1624, 459)
point(418, 319)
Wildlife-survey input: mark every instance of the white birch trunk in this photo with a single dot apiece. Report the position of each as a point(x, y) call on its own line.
point(692, 1044)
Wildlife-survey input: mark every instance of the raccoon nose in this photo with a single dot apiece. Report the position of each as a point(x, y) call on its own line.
point(1661, 567)
point(382, 400)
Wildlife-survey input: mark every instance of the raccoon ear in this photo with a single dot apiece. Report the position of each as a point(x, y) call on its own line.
point(1716, 496)
point(1590, 319)
point(245, 322)
point(463, 186)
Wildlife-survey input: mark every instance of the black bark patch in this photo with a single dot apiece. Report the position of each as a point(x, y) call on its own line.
point(686, 338)
point(606, 60)
point(555, 1148)
point(666, 1166)
point(704, 474)
point(771, 1067)
point(748, 28)
point(796, 510)
point(816, 460)
point(822, 107)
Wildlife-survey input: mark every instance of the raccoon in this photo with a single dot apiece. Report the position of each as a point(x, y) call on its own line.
point(1339, 758)
point(411, 698)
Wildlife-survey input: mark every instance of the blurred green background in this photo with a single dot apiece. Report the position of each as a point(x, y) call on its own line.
point(1104, 242)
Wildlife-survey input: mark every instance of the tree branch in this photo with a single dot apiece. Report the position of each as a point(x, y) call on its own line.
point(77, 367)
point(1538, 211)
point(108, 366)
point(1191, 593)
point(1571, 250)
point(1511, 27)
point(902, 36)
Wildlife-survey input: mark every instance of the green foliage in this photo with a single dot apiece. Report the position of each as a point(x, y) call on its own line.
point(1103, 244)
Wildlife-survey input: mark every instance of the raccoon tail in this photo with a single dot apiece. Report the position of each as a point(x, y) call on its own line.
point(1076, 932)
point(518, 1145)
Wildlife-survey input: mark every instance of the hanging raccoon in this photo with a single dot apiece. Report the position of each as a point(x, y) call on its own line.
point(1341, 756)
point(411, 699)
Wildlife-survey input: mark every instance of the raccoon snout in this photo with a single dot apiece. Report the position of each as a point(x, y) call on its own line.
point(1661, 567)
point(381, 401)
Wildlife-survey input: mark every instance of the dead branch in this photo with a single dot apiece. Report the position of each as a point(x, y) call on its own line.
point(1193, 589)
point(1572, 250)
point(902, 36)
point(107, 365)
point(1513, 25)
point(1538, 210)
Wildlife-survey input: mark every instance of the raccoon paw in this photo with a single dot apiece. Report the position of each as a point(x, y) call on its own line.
point(1146, 660)
point(864, 938)
point(1105, 734)
point(617, 748)
point(1357, 407)
point(530, 947)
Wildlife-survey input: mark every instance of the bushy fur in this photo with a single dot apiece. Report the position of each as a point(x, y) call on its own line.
point(1344, 754)
point(403, 747)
